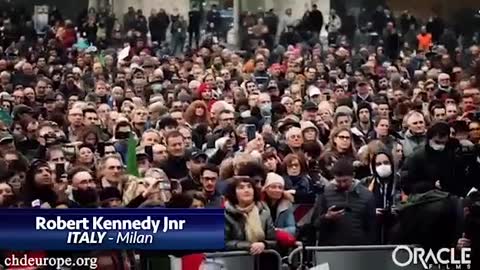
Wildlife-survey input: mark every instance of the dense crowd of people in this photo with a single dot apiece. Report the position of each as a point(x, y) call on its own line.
point(369, 138)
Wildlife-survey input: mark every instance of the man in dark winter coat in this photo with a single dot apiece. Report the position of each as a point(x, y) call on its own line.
point(441, 224)
point(175, 166)
point(194, 21)
point(315, 20)
point(345, 213)
point(437, 164)
point(163, 23)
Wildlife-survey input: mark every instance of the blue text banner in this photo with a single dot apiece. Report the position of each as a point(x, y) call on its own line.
point(112, 229)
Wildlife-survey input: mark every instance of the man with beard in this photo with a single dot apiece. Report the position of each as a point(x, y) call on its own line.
point(208, 179)
point(261, 76)
point(83, 186)
point(70, 88)
point(445, 88)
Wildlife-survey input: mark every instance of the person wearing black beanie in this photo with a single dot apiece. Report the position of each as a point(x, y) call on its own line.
point(110, 197)
point(363, 127)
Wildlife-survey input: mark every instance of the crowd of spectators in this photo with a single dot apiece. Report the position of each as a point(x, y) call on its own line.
point(376, 137)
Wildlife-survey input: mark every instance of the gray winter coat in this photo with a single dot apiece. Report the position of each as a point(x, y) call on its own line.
point(235, 236)
point(412, 143)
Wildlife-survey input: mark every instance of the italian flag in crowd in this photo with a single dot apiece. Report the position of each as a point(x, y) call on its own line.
point(132, 166)
point(189, 262)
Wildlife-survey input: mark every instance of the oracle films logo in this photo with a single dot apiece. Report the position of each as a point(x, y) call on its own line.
point(445, 258)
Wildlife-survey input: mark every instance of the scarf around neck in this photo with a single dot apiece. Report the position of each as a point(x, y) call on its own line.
point(253, 224)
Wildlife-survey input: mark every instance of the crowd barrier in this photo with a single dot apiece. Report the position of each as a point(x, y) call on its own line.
point(239, 260)
point(229, 260)
point(351, 257)
point(328, 257)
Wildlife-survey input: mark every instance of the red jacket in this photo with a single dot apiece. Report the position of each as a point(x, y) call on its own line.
point(69, 37)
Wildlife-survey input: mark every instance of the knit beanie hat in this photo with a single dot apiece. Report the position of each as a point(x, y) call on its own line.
point(364, 105)
point(273, 178)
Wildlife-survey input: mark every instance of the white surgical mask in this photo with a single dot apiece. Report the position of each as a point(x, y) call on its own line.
point(384, 170)
point(437, 147)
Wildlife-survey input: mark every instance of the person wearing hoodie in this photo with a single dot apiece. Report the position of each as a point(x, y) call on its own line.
point(384, 185)
point(345, 213)
point(281, 209)
point(383, 182)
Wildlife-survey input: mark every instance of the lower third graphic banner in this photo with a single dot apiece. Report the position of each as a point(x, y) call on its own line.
point(111, 229)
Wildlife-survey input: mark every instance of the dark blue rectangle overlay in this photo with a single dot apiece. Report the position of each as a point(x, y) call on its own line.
point(111, 229)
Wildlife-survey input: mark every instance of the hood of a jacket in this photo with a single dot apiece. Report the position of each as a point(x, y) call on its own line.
point(424, 198)
point(372, 163)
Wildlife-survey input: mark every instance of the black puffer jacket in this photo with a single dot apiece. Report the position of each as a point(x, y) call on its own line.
point(356, 227)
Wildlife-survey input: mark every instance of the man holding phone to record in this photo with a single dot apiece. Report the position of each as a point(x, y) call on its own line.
point(345, 213)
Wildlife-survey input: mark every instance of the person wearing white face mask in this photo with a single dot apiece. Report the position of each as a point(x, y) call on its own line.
point(383, 181)
point(384, 185)
point(437, 165)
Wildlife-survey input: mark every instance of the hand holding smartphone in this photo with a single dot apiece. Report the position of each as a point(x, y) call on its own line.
point(59, 171)
point(251, 132)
